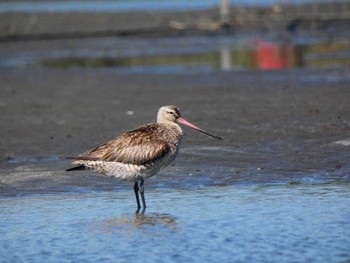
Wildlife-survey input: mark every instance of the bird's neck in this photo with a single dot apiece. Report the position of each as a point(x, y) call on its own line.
point(172, 127)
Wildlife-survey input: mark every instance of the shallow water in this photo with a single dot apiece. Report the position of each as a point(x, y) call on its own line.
point(193, 54)
point(256, 53)
point(238, 223)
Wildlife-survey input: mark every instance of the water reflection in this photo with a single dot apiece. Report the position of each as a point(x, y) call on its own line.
point(269, 55)
point(259, 53)
point(140, 221)
point(225, 58)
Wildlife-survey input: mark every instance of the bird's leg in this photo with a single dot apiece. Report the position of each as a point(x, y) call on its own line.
point(142, 192)
point(136, 190)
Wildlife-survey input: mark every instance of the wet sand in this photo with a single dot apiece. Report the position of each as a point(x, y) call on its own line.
point(278, 126)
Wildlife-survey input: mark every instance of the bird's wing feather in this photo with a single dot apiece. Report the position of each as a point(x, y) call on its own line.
point(140, 146)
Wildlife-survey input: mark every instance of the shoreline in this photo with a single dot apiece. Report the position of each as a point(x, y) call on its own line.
point(286, 19)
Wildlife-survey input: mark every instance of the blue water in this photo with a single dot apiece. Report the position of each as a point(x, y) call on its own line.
point(122, 6)
point(236, 223)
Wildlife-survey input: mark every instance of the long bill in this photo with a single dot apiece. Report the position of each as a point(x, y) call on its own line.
point(184, 122)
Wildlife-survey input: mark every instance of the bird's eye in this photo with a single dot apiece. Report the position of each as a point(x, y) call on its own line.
point(171, 112)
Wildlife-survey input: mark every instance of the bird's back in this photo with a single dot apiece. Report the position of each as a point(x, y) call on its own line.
point(140, 146)
point(140, 152)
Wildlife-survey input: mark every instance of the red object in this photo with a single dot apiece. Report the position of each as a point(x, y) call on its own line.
point(268, 55)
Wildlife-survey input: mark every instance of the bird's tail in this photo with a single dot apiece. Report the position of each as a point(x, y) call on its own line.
point(76, 168)
point(79, 166)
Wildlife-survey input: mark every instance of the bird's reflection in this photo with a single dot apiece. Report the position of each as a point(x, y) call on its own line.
point(141, 220)
point(154, 219)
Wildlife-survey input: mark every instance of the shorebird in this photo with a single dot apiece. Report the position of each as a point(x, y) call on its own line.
point(139, 154)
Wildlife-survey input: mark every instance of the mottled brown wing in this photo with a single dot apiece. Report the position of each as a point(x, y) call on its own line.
point(140, 146)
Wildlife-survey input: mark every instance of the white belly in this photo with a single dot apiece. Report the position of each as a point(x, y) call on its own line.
point(128, 172)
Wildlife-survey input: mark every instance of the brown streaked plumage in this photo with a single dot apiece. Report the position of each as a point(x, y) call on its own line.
point(138, 154)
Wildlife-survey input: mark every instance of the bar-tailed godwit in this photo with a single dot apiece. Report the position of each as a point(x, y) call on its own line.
point(141, 153)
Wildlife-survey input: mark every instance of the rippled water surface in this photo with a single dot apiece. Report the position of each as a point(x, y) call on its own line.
point(237, 223)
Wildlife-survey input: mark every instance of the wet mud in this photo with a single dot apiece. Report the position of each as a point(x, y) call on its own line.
point(278, 126)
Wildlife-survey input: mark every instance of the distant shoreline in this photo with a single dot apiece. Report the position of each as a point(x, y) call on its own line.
point(58, 25)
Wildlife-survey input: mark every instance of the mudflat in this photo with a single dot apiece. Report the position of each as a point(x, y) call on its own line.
point(283, 125)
